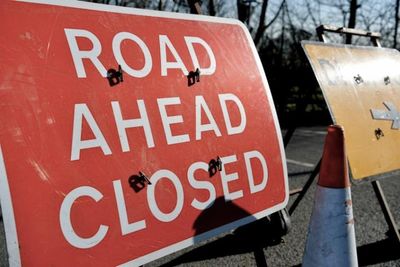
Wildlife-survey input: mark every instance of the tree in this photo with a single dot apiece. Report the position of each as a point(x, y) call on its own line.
point(261, 23)
point(352, 19)
point(396, 23)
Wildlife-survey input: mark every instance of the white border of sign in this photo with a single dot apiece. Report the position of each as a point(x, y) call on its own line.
point(5, 194)
point(7, 210)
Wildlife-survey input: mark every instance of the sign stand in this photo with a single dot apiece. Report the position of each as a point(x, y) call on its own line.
point(302, 191)
point(393, 228)
point(290, 131)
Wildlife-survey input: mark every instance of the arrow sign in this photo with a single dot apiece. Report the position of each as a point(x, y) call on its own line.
point(335, 70)
point(391, 115)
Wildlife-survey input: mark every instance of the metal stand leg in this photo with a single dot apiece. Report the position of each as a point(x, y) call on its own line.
point(288, 136)
point(259, 256)
point(393, 230)
point(305, 188)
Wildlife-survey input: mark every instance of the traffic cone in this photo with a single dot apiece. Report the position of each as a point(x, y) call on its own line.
point(331, 238)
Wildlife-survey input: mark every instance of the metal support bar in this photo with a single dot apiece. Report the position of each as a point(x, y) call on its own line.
point(393, 230)
point(305, 188)
point(259, 256)
point(295, 191)
point(375, 36)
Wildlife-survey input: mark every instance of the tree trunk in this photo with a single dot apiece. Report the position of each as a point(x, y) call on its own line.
point(396, 24)
point(211, 8)
point(243, 11)
point(261, 24)
point(195, 7)
point(352, 19)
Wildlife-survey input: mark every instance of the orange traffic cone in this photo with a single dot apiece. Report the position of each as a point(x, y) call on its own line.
point(331, 238)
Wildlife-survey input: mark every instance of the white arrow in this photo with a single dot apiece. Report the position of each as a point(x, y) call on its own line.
point(390, 115)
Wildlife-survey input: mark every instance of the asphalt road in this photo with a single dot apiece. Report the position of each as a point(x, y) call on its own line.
point(259, 244)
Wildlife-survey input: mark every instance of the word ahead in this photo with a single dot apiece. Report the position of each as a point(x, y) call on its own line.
point(200, 106)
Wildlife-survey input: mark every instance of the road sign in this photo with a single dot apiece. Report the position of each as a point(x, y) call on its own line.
point(360, 85)
point(129, 134)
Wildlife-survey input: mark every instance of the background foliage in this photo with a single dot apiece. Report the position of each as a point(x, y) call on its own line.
point(278, 26)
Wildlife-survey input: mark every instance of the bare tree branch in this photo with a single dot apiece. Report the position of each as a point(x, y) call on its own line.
point(276, 15)
point(261, 25)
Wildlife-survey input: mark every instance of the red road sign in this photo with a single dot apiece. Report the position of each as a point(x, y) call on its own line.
point(113, 125)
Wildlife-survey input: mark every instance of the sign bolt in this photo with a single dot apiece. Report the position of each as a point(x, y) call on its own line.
point(214, 165)
point(138, 182)
point(358, 79)
point(379, 133)
point(386, 80)
point(115, 77)
point(193, 77)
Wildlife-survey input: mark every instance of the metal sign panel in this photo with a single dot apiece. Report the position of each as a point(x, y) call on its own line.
point(129, 134)
point(361, 87)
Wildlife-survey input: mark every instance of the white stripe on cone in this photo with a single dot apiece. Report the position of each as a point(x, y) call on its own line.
point(331, 238)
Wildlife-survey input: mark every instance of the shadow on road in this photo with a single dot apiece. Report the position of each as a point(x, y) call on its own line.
point(253, 237)
point(378, 252)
